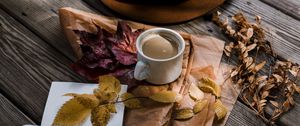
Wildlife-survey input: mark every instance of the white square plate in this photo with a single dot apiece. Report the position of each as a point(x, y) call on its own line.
point(56, 100)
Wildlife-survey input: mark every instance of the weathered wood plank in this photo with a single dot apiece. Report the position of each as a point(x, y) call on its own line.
point(41, 17)
point(28, 66)
point(282, 30)
point(289, 7)
point(241, 115)
point(11, 115)
point(280, 36)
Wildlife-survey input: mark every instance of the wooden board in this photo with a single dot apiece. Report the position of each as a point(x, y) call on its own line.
point(28, 66)
point(41, 17)
point(11, 115)
point(241, 115)
point(289, 7)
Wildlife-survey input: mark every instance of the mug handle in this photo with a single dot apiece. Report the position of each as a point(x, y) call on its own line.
point(141, 70)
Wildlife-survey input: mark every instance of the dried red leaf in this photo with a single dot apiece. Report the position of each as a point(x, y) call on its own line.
point(105, 53)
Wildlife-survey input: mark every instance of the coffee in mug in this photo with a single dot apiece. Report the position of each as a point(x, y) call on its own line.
point(158, 47)
point(160, 56)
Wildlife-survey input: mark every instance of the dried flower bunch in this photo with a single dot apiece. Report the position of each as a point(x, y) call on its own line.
point(264, 83)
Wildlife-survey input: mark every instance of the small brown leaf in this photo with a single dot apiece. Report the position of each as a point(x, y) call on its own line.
point(259, 66)
point(248, 61)
point(274, 103)
point(278, 77)
point(184, 114)
point(249, 34)
point(261, 78)
point(251, 47)
point(291, 100)
point(296, 88)
point(286, 105)
point(234, 73)
point(251, 78)
point(294, 70)
point(264, 94)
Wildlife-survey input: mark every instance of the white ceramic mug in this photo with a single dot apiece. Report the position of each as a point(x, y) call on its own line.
point(159, 71)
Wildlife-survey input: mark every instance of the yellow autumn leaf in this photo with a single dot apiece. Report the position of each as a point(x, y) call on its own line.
point(108, 83)
point(87, 100)
point(130, 101)
point(195, 92)
point(100, 116)
point(220, 109)
point(106, 97)
point(209, 86)
point(166, 97)
point(112, 108)
point(71, 113)
point(184, 114)
point(200, 105)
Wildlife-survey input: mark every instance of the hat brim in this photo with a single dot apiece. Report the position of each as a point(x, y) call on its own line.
point(163, 14)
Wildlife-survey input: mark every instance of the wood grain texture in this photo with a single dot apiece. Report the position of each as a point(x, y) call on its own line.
point(203, 26)
point(289, 7)
point(11, 115)
point(28, 66)
point(281, 29)
point(241, 115)
point(41, 17)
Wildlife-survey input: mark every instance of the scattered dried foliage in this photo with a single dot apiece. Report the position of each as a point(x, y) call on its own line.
point(268, 81)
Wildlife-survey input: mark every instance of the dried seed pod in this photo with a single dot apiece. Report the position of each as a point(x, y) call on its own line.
point(130, 101)
point(220, 109)
point(166, 97)
point(186, 113)
point(200, 105)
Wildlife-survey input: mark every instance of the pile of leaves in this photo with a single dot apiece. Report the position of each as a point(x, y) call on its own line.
point(102, 102)
point(107, 53)
point(99, 104)
point(265, 79)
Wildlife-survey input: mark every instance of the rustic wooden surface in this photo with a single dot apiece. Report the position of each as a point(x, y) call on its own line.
point(34, 52)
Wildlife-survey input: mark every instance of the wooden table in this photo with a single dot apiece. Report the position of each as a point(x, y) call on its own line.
point(34, 52)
